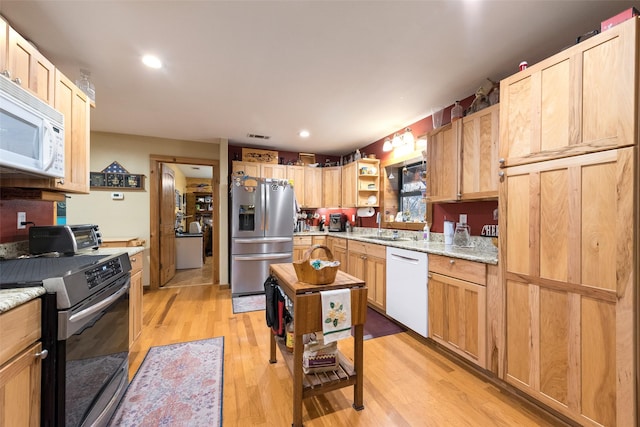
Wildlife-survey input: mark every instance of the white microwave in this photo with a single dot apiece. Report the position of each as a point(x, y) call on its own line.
point(31, 134)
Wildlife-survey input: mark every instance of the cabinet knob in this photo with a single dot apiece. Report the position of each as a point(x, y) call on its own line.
point(501, 174)
point(6, 73)
point(17, 81)
point(133, 260)
point(61, 181)
point(501, 160)
point(452, 261)
point(42, 354)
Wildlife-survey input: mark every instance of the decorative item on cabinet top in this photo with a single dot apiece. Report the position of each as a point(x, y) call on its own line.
point(116, 176)
point(262, 156)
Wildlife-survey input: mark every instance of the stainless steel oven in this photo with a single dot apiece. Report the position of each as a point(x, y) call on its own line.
point(86, 331)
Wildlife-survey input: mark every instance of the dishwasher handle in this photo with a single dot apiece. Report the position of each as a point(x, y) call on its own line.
point(405, 258)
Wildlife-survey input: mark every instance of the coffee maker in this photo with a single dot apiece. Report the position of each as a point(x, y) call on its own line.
point(337, 221)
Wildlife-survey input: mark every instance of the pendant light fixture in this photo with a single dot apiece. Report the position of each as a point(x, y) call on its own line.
point(387, 146)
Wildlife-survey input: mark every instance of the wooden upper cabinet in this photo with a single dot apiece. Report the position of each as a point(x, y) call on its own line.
point(4, 38)
point(271, 170)
point(312, 187)
point(443, 151)
point(578, 101)
point(296, 174)
point(566, 249)
point(331, 187)
point(75, 106)
point(349, 185)
point(26, 63)
point(246, 168)
point(480, 167)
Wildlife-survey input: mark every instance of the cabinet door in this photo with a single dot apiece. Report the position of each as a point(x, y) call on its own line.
point(268, 170)
point(375, 278)
point(580, 100)
point(313, 187)
point(246, 168)
point(442, 166)
point(26, 63)
point(4, 38)
point(296, 174)
point(349, 185)
point(480, 154)
point(332, 187)
point(135, 307)
point(20, 386)
point(74, 104)
point(356, 265)
point(457, 309)
point(566, 239)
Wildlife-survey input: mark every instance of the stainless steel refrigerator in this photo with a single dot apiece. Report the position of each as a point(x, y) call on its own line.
point(262, 222)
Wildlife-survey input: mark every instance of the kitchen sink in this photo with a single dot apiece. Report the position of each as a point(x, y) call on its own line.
point(388, 238)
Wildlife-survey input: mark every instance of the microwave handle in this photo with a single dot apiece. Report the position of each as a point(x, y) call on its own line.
point(48, 135)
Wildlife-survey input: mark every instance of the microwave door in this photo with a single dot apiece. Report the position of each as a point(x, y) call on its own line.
point(19, 146)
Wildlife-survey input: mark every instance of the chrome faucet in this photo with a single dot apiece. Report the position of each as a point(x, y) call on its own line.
point(379, 224)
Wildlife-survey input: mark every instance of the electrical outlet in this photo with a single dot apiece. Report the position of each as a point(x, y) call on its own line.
point(22, 218)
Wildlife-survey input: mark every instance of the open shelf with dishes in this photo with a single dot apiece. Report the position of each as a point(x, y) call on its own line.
point(368, 182)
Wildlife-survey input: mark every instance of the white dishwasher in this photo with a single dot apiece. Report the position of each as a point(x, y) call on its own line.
point(407, 288)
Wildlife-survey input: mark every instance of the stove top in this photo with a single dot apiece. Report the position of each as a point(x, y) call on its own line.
point(24, 272)
point(73, 278)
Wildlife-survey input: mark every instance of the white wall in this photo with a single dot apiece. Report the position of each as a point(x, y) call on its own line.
point(131, 217)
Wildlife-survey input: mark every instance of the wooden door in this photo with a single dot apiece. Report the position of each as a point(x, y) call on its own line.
point(313, 187)
point(375, 277)
point(349, 185)
point(566, 249)
point(296, 174)
point(269, 170)
point(74, 104)
point(581, 100)
point(480, 135)
point(442, 166)
point(167, 226)
point(331, 187)
point(26, 63)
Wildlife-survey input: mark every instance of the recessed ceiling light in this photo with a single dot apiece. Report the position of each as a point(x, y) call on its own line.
point(151, 61)
point(304, 133)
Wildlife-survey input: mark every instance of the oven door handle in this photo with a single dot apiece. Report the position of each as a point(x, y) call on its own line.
point(99, 306)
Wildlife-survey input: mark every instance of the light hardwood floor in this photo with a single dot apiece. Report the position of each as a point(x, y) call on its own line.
point(193, 276)
point(407, 383)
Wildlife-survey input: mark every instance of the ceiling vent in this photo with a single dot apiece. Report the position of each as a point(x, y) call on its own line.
point(256, 136)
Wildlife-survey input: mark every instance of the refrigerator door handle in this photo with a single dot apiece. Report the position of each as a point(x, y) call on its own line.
point(263, 240)
point(265, 210)
point(260, 257)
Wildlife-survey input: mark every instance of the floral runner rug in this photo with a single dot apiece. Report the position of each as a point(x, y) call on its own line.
point(176, 385)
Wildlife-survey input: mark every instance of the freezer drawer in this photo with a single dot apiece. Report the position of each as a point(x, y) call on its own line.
point(249, 271)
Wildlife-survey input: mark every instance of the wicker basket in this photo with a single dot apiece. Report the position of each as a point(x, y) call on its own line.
point(306, 273)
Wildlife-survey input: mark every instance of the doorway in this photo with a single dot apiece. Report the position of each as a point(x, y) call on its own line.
point(212, 270)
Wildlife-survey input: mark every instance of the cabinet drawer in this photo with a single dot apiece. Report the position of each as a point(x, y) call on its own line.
point(302, 240)
point(136, 262)
point(470, 271)
point(20, 327)
point(319, 240)
point(379, 251)
point(337, 242)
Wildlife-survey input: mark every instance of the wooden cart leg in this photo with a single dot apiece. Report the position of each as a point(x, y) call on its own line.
point(358, 351)
point(298, 350)
point(272, 355)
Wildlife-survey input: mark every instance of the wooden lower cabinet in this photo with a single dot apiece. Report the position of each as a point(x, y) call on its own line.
point(368, 262)
point(302, 243)
point(567, 257)
point(338, 247)
point(20, 365)
point(457, 306)
point(135, 298)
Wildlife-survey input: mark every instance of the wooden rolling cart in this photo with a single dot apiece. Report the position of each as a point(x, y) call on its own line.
point(307, 318)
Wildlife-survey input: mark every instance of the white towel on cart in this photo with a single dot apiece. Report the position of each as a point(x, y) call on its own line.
point(336, 314)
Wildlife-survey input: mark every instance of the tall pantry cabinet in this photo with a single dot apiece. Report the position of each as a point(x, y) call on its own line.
point(569, 228)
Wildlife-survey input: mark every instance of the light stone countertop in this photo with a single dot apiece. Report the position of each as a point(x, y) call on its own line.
point(10, 298)
point(482, 249)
